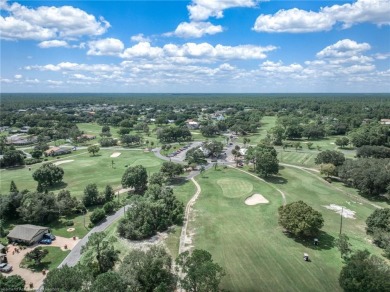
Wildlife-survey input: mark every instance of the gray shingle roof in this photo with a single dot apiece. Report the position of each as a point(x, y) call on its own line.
point(26, 232)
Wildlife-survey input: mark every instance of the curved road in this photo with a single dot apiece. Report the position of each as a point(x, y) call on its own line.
point(75, 254)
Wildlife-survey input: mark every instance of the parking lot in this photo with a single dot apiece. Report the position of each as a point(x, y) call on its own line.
point(15, 256)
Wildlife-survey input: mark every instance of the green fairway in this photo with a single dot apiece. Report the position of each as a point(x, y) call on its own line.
point(249, 244)
point(298, 158)
point(234, 187)
point(84, 169)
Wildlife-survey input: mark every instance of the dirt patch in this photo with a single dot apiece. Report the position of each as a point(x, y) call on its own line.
point(115, 154)
point(346, 213)
point(147, 243)
point(62, 162)
point(70, 229)
point(255, 200)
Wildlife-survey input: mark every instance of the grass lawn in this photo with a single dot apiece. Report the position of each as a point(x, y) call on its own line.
point(298, 157)
point(51, 261)
point(267, 123)
point(248, 242)
point(84, 169)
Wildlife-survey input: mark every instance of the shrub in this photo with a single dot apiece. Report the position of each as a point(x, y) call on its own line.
point(69, 223)
point(109, 207)
point(30, 161)
point(97, 216)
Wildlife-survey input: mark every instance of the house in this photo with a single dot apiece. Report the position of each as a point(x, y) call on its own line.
point(24, 129)
point(55, 151)
point(385, 121)
point(21, 140)
point(192, 125)
point(86, 137)
point(27, 233)
point(243, 151)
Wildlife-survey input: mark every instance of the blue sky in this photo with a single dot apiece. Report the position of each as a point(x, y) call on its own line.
point(227, 46)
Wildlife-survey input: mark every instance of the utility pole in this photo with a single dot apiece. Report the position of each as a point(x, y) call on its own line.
point(341, 219)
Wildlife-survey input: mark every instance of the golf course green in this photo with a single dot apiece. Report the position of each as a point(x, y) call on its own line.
point(250, 245)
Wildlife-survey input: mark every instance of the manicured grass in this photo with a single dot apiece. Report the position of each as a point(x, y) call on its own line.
point(84, 170)
point(298, 157)
point(267, 123)
point(60, 228)
point(50, 262)
point(248, 242)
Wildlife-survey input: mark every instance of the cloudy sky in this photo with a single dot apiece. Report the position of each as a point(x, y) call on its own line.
point(195, 46)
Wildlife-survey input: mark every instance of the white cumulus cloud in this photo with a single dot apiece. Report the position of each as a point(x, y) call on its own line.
point(301, 21)
point(139, 38)
point(203, 9)
point(343, 48)
point(52, 44)
point(108, 46)
point(202, 52)
point(196, 29)
point(46, 22)
point(294, 21)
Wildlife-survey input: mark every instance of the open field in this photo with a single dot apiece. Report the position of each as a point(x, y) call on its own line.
point(84, 170)
point(249, 244)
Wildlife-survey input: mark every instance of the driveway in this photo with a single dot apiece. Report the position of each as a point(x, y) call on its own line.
point(15, 258)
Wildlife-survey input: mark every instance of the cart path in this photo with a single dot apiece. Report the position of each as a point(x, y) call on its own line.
point(280, 191)
point(74, 256)
point(190, 204)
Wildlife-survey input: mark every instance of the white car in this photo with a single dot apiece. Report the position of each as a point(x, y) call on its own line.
point(4, 267)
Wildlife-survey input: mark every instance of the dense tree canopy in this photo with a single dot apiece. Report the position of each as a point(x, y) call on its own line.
point(68, 279)
point(38, 208)
point(48, 174)
point(367, 151)
point(200, 272)
point(173, 134)
point(158, 210)
point(170, 169)
point(369, 175)
point(148, 271)
point(330, 156)
point(101, 252)
point(365, 272)
point(195, 156)
point(264, 158)
point(12, 283)
point(135, 177)
point(300, 219)
point(91, 195)
point(214, 147)
point(371, 134)
point(12, 158)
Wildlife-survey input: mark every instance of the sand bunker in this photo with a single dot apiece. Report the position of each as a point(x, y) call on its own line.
point(115, 154)
point(346, 213)
point(256, 199)
point(70, 229)
point(62, 162)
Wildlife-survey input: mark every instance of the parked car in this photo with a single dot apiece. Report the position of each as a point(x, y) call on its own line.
point(45, 241)
point(5, 268)
point(49, 236)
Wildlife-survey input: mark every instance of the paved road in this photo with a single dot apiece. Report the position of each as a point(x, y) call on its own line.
point(75, 254)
